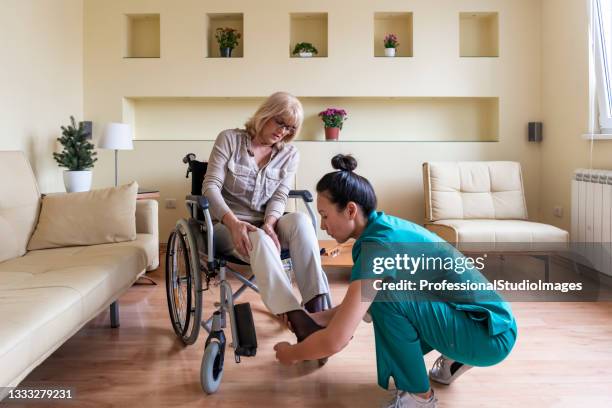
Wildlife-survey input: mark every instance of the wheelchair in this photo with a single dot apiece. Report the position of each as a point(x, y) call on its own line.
point(191, 266)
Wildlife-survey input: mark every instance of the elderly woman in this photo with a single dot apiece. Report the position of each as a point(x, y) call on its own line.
point(250, 172)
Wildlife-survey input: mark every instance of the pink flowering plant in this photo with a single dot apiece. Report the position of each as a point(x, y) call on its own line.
point(333, 117)
point(391, 41)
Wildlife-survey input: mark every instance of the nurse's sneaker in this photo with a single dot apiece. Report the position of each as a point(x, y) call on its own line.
point(446, 370)
point(405, 399)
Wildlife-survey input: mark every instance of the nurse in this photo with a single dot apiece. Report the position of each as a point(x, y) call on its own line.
point(407, 325)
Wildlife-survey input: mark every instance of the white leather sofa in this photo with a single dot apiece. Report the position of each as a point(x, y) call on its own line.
point(481, 206)
point(47, 295)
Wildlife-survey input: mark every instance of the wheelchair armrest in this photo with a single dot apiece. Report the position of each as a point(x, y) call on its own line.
point(303, 194)
point(200, 200)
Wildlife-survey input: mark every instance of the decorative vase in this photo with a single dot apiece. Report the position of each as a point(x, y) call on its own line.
point(389, 52)
point(304, 54)
point(331, 133)
point(226, 52)
point(76, 181)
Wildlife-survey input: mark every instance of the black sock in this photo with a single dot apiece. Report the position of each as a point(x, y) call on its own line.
point(302, 324)
point(316, 304)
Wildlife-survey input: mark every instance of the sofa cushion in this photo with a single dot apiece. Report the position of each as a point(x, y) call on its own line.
point(96, 272)
point(474, 190)
point(35, 321)
point(19, 201)
point(87, 218)
point(47, 295)
point(506, 235)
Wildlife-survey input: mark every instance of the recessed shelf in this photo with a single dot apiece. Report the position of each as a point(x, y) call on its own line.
point(142, 36)
point(222, 20)
point(311, 28)
point(478, 34)
point(381, 119)
point(398, 23)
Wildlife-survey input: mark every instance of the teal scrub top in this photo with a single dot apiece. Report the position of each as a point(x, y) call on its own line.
point(385, 229)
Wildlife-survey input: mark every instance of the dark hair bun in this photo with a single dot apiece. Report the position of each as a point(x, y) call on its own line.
point(344, 162)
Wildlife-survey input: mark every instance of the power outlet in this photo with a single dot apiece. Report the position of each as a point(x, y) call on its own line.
point(558, 211)
point(170, 203)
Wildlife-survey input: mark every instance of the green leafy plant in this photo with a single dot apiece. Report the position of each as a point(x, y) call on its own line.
point(78, 152)
point(304, 47)
point(333, 117)
point(227, 37)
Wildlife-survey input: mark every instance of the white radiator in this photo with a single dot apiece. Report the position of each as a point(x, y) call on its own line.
point(591, 216)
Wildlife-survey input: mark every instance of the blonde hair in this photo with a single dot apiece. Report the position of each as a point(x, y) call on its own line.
point(281, 105)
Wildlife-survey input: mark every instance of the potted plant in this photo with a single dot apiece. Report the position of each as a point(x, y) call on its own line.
point(77, 156)
point(333, 118)
point(304, 49)
point(390, 45)
point(228, 39)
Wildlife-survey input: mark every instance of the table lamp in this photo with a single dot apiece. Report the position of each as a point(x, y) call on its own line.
point(116, 136)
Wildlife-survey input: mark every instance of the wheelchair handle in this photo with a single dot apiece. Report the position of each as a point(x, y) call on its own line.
point(189, 157)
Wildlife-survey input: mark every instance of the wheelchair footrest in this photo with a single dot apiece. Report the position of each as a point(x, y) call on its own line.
point(247, 339)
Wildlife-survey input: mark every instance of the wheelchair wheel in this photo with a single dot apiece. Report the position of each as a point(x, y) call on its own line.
point(211, 370)
point(183, 286)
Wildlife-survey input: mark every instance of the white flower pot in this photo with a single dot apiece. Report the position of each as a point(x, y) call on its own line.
point(76, 181)
point(389, 52)
point(304, 54)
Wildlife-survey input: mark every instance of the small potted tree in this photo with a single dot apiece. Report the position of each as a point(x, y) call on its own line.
point(77, 156)
point(228, 39)
point(305, 50)
point(333, 118)
point(390, 45)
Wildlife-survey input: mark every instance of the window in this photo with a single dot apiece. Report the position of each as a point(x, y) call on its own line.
point(602, 43)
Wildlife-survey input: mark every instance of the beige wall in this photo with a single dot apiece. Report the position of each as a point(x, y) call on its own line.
point(41, 81)
point(349, 71)
point(565, 102)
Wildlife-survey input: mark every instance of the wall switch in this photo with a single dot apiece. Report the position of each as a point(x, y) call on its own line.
point(558, 211)
point(170, 203)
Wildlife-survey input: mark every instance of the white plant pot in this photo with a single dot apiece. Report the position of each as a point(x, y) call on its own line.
point(304, 54)
point(76, 181)
point(389, 52)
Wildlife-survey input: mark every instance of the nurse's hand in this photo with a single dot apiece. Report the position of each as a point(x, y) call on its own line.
point(283, 353)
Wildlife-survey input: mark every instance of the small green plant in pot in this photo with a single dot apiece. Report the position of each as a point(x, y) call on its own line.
point(228, 40)
point(304, 49)
point(333, 118)
point(77, 156)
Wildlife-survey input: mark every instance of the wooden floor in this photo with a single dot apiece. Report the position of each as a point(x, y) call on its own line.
point(563, 358)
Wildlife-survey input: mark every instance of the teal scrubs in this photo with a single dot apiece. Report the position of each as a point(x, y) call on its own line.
point(406, 327)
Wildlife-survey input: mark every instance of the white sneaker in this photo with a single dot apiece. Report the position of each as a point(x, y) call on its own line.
point(405, 399)
point(445, 370)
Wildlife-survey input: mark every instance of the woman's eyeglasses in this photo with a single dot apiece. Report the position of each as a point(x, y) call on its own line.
point(284, 127)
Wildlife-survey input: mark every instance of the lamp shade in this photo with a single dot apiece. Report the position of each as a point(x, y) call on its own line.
point(116, 136)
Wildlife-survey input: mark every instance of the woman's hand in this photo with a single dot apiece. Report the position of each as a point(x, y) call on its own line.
point(240, 234)
point(268, 228)
point(283, 353)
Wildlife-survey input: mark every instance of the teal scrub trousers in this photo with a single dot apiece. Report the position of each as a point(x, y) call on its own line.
point(407, 330)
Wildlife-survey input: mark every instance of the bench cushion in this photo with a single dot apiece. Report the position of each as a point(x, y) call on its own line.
point(507, 235)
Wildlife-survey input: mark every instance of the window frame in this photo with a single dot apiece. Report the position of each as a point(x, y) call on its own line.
point(602, 48)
